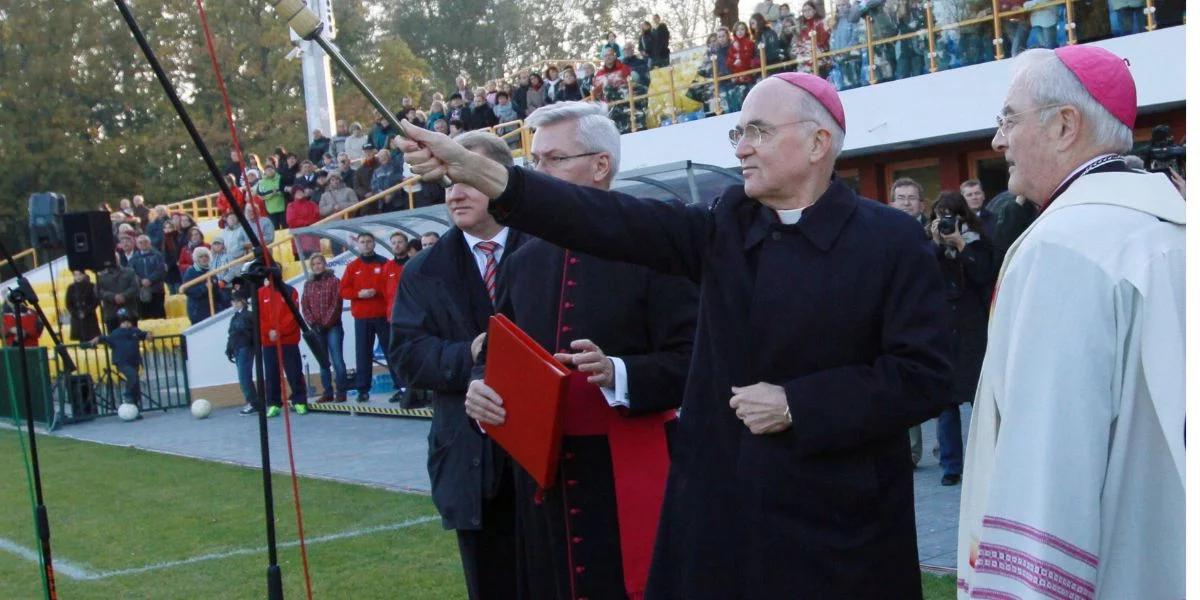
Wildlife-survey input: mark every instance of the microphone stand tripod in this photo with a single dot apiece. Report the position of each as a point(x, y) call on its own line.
point(22, 297)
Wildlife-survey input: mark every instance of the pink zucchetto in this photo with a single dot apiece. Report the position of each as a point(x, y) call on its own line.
point(1106, 78)
point(820, 89)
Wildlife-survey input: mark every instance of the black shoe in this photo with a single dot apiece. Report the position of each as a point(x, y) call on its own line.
point(247, 410)
point(949, 480)
point(326, 397)
point(399, 397)
point(363, 397)
point(341, 397)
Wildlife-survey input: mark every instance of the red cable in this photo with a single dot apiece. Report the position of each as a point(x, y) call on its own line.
point(248, 198)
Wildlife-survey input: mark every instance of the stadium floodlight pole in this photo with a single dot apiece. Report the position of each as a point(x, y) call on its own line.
point(274, 577)
point(309, 27)
point(20, 297)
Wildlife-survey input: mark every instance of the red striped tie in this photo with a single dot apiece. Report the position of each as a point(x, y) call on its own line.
point(489, 268)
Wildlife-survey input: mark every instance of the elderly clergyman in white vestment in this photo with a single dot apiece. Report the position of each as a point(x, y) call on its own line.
point(1074, 480)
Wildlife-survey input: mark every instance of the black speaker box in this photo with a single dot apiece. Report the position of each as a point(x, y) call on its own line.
point(89, 240)
point(45, 230)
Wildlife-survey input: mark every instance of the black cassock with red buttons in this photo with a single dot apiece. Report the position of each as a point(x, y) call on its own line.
point(568, 539)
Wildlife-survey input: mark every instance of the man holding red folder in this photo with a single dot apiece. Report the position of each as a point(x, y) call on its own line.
point(627, 333)
point(441, 307)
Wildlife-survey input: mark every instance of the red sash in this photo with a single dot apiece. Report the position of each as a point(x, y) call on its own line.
point(640, 461)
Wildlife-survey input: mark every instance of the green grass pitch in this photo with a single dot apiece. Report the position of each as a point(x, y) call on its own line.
point(118, 514)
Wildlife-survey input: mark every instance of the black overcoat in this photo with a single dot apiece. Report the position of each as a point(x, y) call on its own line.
point(567, 535)
point(845, 311)
point(440, 308)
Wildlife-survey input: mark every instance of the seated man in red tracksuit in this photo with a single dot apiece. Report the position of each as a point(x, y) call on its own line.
point(366, 285)
point(279, 333)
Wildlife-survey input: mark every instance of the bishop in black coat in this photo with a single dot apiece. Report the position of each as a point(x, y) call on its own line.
point(845, 311)
point(569, 542)
point(440, 308)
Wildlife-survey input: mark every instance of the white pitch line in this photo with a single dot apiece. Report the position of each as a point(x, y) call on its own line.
point(84, 574)
point(61, 565)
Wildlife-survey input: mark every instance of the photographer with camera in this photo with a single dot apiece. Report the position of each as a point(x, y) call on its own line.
point(968, 266)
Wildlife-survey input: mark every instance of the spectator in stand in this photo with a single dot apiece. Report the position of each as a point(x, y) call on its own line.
point(232, 236)
point(234, 166)
point(28, 324)
point(303, 212)
point(341, 132)
point(461, 88)
point(974, 41)
point(743, 56)
point(1044, 25)
point(587, 76)
point(364, 285)
point(726, 12)
point(321, 306)
point(388, 173)
point(263, 228)
point(239, 349)
point(785, 11)
point(151, 269)
point(518, 93)
point(429, 238)
point(172, 242)
point(969, 271)
point(491, 88)
point(318, 147)
point(270, 188)
point(382, 133)
point(328, 163)
point(610, 41)
point(810, 27)
point(1126, 17)
point(345, 168)
point(911, 54)
point(972, 191)
point(638, 63)
point(884, 25)
point(766, 39)
point(570, 89)
point(127, 211)
point(125, 342)
point(193, 238)
point(456, 127)
point(504, 110)
point(550, 80)
point(660, 50)
point(280, 335)
point(355, 142)
point(768, 9)
point(1016, 27)
point(441, 126)
point(437, 112)
point(645, 42)
point(127, 230)
point(125, 249)
point(154, 228)
point(322, 185)
point(337, 197)
point(308, 174)
point(365, 171)
point(845, 33)
point(82, 303)
point(287, 168)
point(535, 96)
point(117, 286)
point(141, 211)
point(612, 77)
point(456, 110)
point(198, 307)
point(220, 258)
point(481, 115)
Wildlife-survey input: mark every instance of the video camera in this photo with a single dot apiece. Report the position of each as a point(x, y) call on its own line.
point(1163, 154)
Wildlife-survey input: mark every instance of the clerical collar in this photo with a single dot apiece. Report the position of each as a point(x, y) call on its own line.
point(789, 216)
point(1102, 163)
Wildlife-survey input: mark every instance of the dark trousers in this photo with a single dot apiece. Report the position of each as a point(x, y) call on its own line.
point(244, 359)
point(291, 369)
point(133, 385)
point(949, 432)
point(489, 554)
point(154, 309)
point(366, 331)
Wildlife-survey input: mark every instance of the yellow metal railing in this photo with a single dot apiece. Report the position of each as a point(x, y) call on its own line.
point(345, 213)
point(200, 207)
point(28, 252)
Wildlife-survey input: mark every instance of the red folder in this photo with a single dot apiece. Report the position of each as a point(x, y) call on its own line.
point(533, 386)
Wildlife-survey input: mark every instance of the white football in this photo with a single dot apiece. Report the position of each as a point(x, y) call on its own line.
point(127, 412)
point(201, 408)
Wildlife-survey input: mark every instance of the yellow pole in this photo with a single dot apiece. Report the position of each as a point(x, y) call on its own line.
point(716, 87)
point(870, 51)
point(212, 306)
point(812, 38)
point(1151, 20)
point(762, 62)
point(997, 36)
point(409, 189)
point(932, 42)
point(632, 116)
point(674, 103)
point(1071, 38)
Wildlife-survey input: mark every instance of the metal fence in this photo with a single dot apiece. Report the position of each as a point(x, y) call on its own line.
point(97, 388)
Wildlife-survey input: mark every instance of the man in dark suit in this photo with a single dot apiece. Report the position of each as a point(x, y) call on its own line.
point(823, 336)
point(441, 309)
point(972, 191)
point(628, 333)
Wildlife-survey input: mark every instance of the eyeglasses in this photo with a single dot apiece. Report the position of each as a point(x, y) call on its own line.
point(1005, 123)
point(757, 133)
point(535, 161)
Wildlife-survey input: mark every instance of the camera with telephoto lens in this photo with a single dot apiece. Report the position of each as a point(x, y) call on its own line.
point(1164, 154)
point(947, 225)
